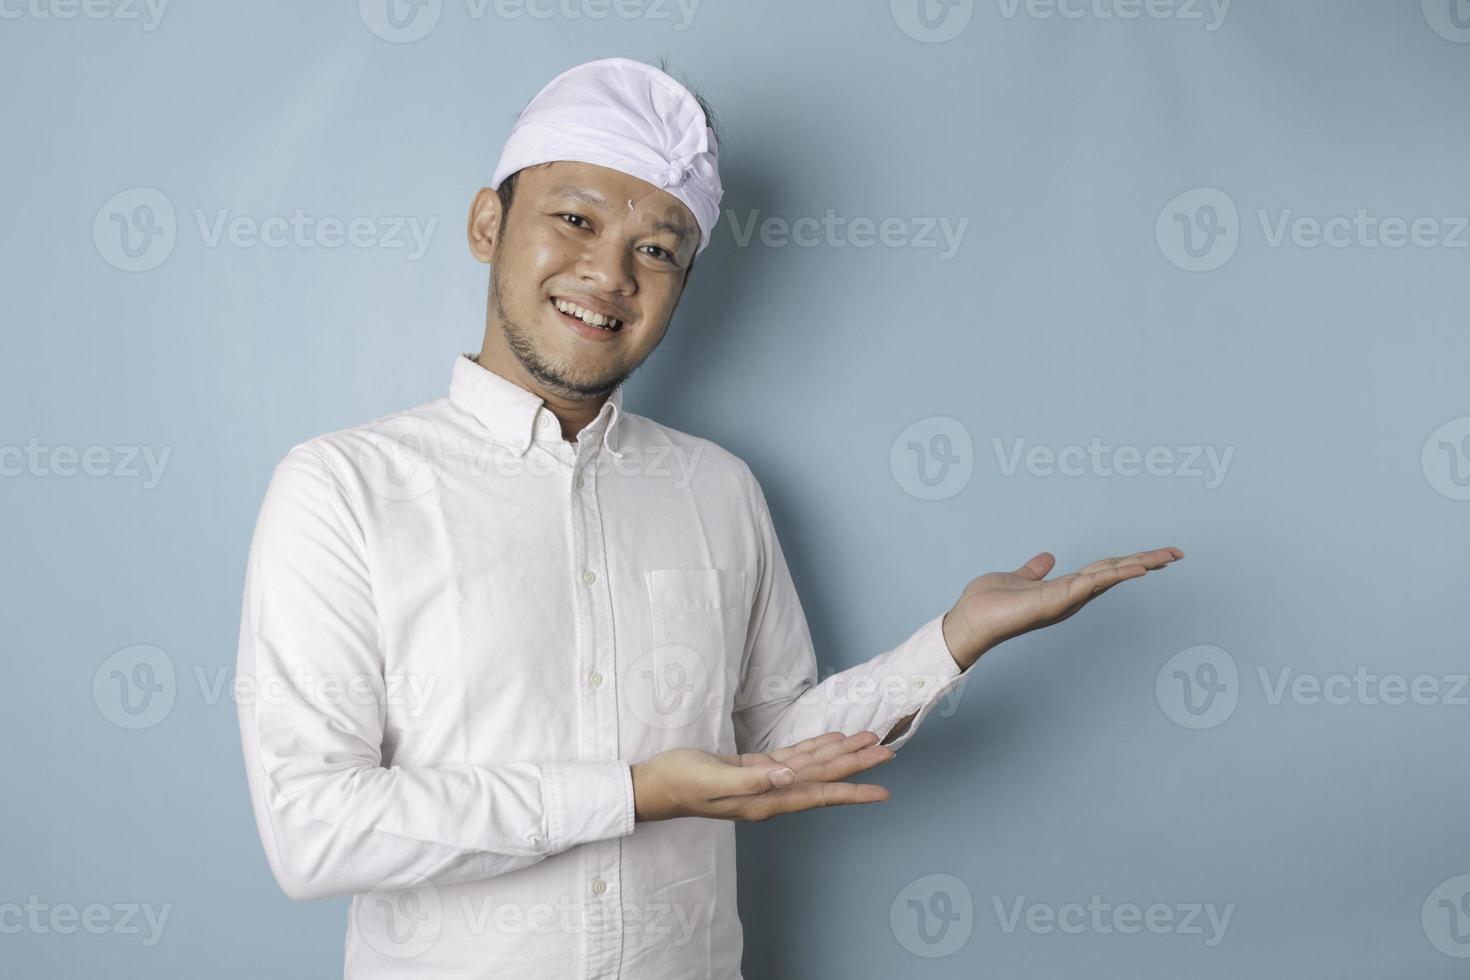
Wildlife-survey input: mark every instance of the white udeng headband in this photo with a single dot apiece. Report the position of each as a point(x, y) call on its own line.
point(627, 116)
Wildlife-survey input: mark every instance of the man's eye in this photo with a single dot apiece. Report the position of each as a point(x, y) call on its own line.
point(569, 214)
point(663, 253)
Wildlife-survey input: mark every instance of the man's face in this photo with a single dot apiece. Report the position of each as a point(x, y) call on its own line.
point(571, 236)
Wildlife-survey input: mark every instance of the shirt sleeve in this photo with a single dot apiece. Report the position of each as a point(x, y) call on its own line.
point(332, 818)
point(779, 702)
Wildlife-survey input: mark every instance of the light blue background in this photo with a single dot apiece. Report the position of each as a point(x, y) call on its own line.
point(1329, 544)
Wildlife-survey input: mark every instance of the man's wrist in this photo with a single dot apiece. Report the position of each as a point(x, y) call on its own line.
point(962, 654)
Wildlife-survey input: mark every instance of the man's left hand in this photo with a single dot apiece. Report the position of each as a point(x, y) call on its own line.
point(1001, 605)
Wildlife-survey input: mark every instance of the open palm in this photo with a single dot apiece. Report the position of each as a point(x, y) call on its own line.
point(1001, 605)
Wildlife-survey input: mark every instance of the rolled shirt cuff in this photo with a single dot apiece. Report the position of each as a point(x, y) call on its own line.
point(587, 801)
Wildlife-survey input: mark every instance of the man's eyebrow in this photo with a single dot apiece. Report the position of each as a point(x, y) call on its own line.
point(581, 194)
point(595, 199)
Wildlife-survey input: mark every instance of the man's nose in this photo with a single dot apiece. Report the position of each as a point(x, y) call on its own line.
point(606, 264)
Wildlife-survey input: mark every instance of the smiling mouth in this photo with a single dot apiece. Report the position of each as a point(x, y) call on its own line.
point(580, 316)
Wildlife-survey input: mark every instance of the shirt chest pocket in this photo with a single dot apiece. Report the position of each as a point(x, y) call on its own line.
point(697, 621)
point(696, 607)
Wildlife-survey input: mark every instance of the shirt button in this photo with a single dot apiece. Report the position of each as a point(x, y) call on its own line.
point(544, 421)
point(595, 679)
point(918, 682)
point(598, 886)
point(589, 577)
point(580, 482)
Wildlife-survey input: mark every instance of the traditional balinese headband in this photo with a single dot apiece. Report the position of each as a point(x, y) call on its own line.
point(627, 116)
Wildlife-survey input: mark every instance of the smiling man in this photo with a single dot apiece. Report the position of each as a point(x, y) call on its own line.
point(517, 674)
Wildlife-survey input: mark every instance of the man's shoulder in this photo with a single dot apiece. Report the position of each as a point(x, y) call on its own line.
point(418, 432)
point(715, 464)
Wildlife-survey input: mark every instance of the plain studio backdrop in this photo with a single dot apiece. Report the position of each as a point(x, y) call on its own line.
point(991, 277)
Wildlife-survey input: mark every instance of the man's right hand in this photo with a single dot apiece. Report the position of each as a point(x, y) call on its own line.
point(695, 783)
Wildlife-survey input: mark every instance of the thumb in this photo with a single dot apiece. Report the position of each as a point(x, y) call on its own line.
point(760, 780)
point(1037, 568)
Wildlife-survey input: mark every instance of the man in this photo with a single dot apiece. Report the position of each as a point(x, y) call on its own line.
point(524, 657)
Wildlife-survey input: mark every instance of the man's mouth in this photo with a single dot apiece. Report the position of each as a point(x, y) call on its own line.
point(582, 317)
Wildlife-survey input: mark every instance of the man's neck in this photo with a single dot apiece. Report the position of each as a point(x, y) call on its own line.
point(574, 416)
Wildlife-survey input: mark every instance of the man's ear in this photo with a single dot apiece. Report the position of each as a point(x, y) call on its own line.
point(484, 224)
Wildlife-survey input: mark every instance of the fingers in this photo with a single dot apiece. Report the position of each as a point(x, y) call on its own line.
point(809, 796)
point(1157, 558)
point(824, 759)
point(784, 755)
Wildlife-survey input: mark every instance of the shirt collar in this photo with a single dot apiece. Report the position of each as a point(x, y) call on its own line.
point(510, 411)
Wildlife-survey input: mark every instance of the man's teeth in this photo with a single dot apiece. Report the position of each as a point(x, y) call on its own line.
point(587, 316)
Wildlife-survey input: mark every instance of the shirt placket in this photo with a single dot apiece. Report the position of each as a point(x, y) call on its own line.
point(597, 717)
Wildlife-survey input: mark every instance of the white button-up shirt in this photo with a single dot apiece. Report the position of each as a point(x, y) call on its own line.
point(460, 629)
